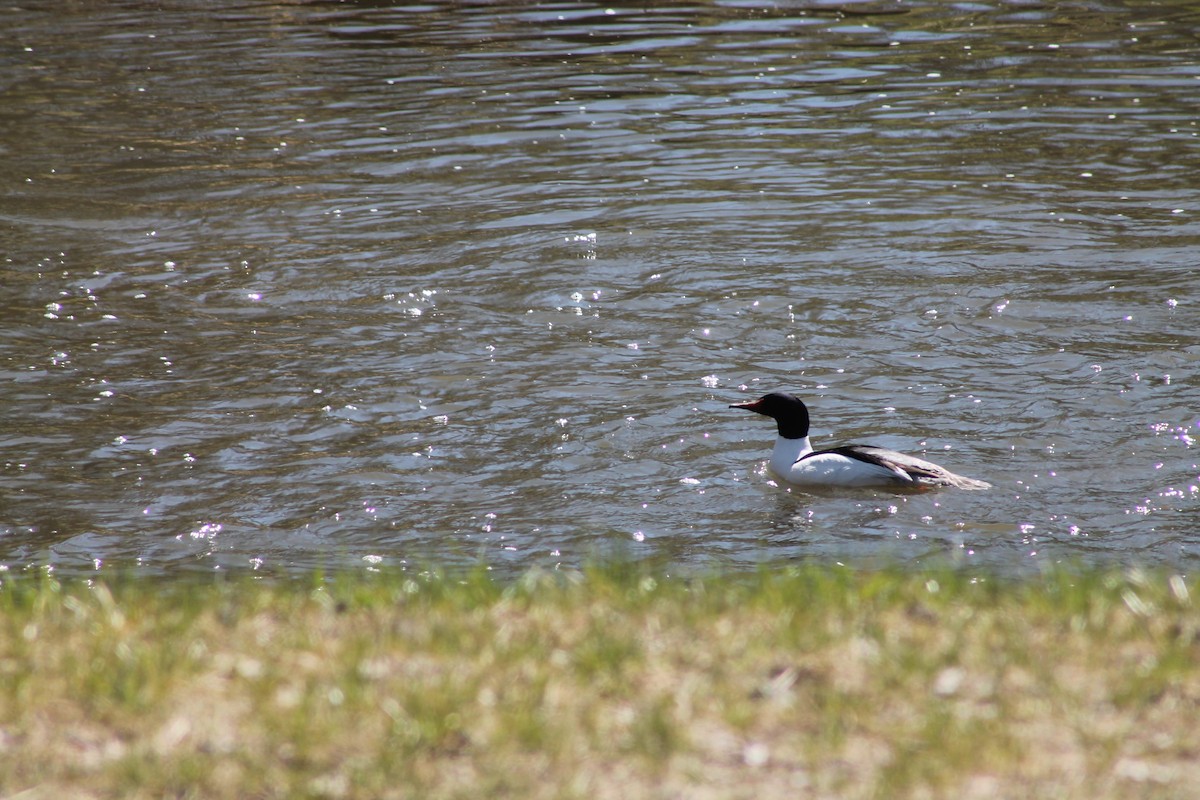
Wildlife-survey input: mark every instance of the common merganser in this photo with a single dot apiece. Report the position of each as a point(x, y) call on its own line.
point(795, 461)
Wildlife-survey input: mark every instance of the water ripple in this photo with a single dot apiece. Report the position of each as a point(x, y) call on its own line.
point(449, 283)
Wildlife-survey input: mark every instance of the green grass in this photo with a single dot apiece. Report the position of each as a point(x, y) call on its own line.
point(619, 682)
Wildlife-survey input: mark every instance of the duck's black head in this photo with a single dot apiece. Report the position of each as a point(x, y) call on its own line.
point(788, 411)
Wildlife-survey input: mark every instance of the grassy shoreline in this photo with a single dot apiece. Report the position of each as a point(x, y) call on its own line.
point(612, 682)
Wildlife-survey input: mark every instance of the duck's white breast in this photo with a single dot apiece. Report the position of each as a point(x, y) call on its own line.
point(833, 469)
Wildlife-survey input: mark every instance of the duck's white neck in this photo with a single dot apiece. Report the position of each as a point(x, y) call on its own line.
point(786, 453)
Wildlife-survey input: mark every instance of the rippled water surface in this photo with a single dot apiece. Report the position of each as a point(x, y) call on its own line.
point(286, 285)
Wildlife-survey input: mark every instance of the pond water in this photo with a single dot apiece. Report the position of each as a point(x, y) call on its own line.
point(335, 284)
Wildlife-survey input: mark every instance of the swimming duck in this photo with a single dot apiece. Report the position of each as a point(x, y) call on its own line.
point(857, 465)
